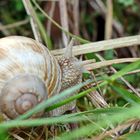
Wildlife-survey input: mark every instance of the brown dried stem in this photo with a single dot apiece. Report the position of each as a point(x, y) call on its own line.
point(109, 19)
point(64, 20)
point(105, 63)
point(99, 6)
point(76, 16)
point(13, 25)
point(30, 12)
point(51, 12)
point(102, 45)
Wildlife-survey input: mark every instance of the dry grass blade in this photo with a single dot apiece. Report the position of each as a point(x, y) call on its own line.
point(34, 25)
point(113, 131)
point(64, 20)
point(17, 137)
point(102, 45)
point(109, 19)
point(76, 16)
point(97, 100)
point(51, 13)
point(13, 25)
point(126, 82)
point(90, 61)
point(4, 31)
point(133, 72)
point(99, 6)
point(105, 63)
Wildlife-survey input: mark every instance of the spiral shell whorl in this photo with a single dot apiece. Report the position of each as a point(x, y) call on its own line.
point(25, 102)
point(20, 94)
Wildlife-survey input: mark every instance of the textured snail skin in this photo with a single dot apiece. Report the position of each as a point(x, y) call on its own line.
point(29, 74)
point(71, 76)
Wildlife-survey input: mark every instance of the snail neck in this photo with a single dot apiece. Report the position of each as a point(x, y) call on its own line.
point(71, 72)
point(71, 75)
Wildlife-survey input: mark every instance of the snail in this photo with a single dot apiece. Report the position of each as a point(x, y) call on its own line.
point(30, 74)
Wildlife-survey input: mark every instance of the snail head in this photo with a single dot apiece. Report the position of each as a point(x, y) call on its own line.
point(71, 68)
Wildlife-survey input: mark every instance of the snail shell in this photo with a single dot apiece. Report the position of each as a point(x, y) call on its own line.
point(29, 74)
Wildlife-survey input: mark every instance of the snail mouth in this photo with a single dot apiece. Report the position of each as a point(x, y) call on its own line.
point(25, 102)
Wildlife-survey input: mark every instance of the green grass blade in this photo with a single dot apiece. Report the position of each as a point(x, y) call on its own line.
point(76, 117)
point(52, 100)
point(93, 128)
point(128, 68)
point(128, 96)
point(3, 134)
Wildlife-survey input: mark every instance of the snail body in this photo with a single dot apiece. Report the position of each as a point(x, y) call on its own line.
point(29, 74)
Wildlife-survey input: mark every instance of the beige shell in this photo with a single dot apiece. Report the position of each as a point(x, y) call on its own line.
point(21, 55)
point(24, 55)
